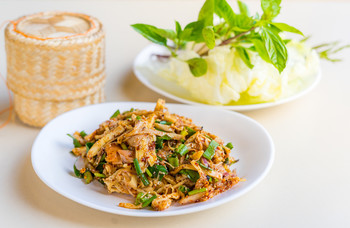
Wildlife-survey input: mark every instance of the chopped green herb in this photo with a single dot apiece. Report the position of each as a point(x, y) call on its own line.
point(124, 147)
point(88, 145)
point(77, 172)
point(76, 143)
point(138, 198)
point(131, 110)
point(164, 122)
point(196, 191)
point(203, 166)
point(229, 145)
point(138, 117)
point(161, 169)
point(100, 165)
point(210, 179)
point(148, 201)
point(148, 172)
point(83, 134)
point(182, 149)
point(99, 175)
point(183, 189)
point(210, 151)
point(184, 133)
point(117, 113)
point(191, 174)
point(190, 131)
point(174, 161)
point(160, 141)
point(227, 161)
point(139, 173)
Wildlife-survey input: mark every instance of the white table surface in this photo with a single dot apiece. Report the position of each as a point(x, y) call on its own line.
point(309, 183)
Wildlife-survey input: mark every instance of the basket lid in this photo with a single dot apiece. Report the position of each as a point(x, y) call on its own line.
point(55, 25)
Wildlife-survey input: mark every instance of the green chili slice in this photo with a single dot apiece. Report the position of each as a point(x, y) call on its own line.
point(88, 177)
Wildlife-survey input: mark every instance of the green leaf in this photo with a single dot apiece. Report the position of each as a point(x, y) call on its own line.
point(287, 28)
point(167, 33)
point(160, 140)
point(243, 53)
point(198, 66)
point(243, 8)
point(275, 48)
point(193, 32)
point(271, 9)
point(82, 134)
point(77, 172)
point(229, 145)
point(206, 13)
point(184, 189)
point(115, 114)
point(148, 31)
point(178, 29)
point(260, 48)
point(191, 174)
point(88, 145)
point(224, 10)
point(76, 143)
point(243, 23)
point(209, 37)
point(190, 131)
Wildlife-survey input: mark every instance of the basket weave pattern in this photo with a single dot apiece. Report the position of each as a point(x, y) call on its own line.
point(49, 77)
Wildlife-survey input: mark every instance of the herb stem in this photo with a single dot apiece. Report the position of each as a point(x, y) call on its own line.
point(227, 41)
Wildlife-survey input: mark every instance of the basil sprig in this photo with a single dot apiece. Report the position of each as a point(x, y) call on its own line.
point(242, 31)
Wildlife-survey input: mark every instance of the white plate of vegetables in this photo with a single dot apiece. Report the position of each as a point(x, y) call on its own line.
point(53, 162)
point(233, 60)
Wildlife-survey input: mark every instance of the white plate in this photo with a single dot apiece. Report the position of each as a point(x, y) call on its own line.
point(53, 163)
point(176, 92)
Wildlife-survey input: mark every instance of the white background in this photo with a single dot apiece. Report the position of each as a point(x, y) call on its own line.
point(309, 184)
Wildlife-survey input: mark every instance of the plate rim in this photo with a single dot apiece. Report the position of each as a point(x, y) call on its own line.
point(165, 213)
point(247, 107)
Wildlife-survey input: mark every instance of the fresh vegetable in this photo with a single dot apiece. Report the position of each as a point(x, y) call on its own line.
point(76, 143)
point(139, 173)
point(196, 191)
point(181, 149)
point(236, 30)
point(117, 113)
point(210, 151)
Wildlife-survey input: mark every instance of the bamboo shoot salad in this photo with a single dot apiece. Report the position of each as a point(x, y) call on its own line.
point(157, 157)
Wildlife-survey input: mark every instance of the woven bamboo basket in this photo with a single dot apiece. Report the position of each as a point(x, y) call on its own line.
point(55, 63)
